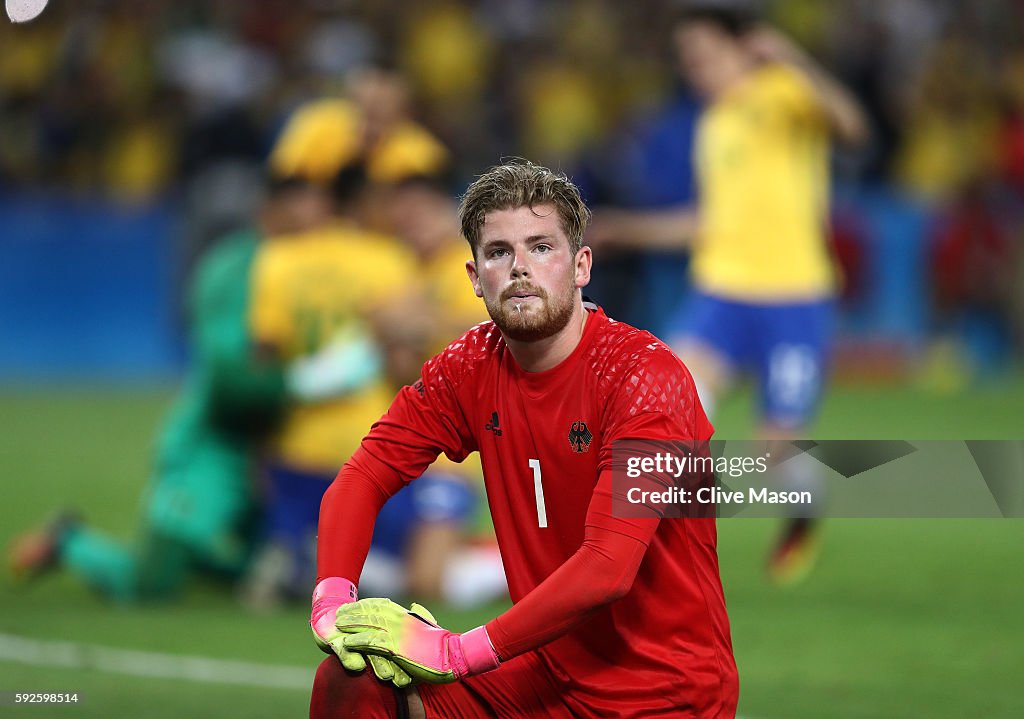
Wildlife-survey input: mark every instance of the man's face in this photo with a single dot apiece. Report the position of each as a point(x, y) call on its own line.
point(420, 215)
point(709, 58)
point(526, 273)
point(297, 209)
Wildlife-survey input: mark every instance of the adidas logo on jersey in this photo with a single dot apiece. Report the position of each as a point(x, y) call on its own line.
point(492, 426)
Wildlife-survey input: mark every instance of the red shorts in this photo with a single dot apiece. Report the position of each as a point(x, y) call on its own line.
point(520, 687)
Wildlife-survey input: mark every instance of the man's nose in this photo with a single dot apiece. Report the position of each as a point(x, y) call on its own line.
point(520, 268)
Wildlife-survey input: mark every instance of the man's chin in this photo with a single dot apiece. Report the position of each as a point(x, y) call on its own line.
point(522, 326)
point(528, 326)
point(526, 332)
point(529, 321)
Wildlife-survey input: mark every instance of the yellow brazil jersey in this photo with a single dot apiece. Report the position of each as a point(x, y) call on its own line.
point(306, 290)
point(451, 293)
point(448, 287)
point(762, 164)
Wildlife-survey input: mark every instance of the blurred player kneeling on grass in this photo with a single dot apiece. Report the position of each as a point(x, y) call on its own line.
point(202, 507)
point(199, 511)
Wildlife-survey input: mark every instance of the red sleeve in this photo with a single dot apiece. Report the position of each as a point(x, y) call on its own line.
point(424, 420)
point(348, 512)
point(601, 571)
point(655, 400)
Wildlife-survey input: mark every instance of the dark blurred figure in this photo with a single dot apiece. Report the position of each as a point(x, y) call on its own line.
point(974, 265)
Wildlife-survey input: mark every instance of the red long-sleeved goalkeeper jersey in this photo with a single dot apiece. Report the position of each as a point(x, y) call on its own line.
point(627, 614)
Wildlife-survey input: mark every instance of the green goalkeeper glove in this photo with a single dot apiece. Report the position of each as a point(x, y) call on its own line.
point(413, 641)
point(331, 594)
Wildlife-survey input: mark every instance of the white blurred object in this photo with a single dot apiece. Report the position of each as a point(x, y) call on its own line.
point(473, 576)
point(383, 575)
point(24, 10)
point(216, 71)
point(348, 363)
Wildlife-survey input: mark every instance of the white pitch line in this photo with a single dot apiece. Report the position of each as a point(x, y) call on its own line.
point(71, 655)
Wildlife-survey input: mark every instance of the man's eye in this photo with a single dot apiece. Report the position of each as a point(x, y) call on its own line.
point(499, 252)
point(542, 248)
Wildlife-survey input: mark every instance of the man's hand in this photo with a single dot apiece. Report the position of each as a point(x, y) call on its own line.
point(770, 45)
point(414, 641)
point(330, 594)
point(842, 109)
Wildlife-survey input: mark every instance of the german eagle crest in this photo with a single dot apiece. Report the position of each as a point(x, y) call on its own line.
point(580, 437)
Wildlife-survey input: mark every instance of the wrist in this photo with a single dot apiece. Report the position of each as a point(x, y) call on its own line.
point(329, 594)
point(472, 653)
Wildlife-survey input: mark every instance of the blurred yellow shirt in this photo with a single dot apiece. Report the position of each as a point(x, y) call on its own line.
point(762, 164)
point(307, 290)
point(451, 292)
point(445, 54)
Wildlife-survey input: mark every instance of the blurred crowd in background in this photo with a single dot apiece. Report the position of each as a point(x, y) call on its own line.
point(131, 99)
point(150, 102)
point(135, 135)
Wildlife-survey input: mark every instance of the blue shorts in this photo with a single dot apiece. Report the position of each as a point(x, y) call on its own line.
point(786, 346)
point(293, 509)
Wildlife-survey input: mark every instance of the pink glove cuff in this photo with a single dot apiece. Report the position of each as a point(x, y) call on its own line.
point(329, 594)
point(472, 653)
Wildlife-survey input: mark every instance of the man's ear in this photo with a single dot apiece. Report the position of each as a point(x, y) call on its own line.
point(584, 261)
point(474, 278)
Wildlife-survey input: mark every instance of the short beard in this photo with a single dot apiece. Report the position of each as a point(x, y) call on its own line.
point(551, 319)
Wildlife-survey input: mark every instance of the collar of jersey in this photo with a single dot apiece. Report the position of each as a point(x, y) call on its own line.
point(535, 384)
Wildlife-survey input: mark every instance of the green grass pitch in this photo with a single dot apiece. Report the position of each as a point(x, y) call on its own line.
point(921, 618)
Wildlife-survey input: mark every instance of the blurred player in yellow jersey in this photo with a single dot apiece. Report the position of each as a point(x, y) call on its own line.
point(762, 273)
point(325, 298)
point(422, 212)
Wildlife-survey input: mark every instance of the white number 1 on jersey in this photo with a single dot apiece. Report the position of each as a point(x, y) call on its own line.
point(542, 512)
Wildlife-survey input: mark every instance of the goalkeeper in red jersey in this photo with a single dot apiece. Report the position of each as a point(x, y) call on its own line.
point(611, 616)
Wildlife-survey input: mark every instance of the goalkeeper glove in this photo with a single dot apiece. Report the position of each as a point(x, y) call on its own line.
point(330, 594)
point(414, 641)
